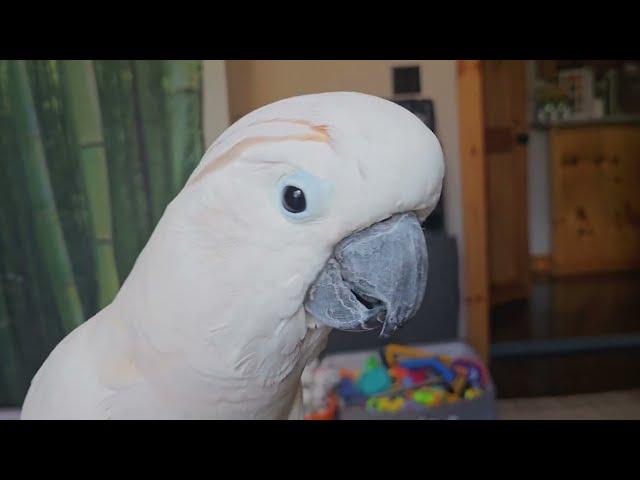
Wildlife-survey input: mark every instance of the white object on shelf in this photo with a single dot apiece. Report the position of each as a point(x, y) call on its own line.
point(578, 84)
point(598, 108)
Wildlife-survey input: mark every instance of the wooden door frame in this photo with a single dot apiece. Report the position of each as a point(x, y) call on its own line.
point(473, 178)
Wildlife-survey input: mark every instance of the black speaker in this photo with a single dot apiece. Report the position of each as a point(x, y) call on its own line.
point(425, 111)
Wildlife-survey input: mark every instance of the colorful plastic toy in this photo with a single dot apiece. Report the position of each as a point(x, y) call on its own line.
point(386, 404)
point(329, 413)
point(418, 376)
point(432, 363)
point(393, 351)
point(374, 378)
point(345, 373)
point(476, 370)
point(349, 392)
point(398, 373)
point(411, 379)
point(459, 384)
point(374, 381)
point(472, 393)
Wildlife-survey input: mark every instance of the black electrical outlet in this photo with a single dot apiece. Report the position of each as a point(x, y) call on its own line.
point(406, 80)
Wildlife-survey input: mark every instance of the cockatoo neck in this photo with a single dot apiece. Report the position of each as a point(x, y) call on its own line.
point(204, 309)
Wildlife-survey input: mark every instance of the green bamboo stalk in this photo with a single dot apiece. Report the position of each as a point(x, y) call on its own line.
point(22, 307)
point(127, 121)
point(65, 173)
point(8, 355)
point(67, 179)
point(127, 190)
point(152, 131)
point(47, 227)
point(183, 111)
point(8, 358)
point(82, 95)
point(25, 282)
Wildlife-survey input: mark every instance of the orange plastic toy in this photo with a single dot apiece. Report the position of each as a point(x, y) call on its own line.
point(393, 351)
point(329, 413)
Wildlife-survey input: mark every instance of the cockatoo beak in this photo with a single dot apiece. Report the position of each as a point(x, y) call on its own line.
point(377, 276)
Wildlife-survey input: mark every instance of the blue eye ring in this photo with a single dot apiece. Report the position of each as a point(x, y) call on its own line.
point(302, 196)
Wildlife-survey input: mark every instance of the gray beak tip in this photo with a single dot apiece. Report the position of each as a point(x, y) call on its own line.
point(386, 333)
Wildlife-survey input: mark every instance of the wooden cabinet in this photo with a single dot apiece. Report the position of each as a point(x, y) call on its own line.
point(595, 174)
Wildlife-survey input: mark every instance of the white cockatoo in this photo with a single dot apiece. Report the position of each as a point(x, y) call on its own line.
point(303, 216)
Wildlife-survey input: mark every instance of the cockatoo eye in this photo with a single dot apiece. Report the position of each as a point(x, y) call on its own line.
point(301, 196)
point(293, 199)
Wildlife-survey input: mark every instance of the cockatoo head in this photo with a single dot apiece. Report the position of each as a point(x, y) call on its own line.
point(305, 213)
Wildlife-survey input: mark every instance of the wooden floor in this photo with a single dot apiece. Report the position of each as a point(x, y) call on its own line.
point(622, 405)
point(604, 304)
point(566, 374)
point(583, 306)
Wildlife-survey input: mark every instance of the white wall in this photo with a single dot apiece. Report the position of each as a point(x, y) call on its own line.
point(215, 117)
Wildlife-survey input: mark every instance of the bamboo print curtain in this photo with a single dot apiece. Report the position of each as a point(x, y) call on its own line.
point(91, 152)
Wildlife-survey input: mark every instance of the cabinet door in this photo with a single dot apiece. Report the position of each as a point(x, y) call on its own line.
point(505, 147)
point(596, 198)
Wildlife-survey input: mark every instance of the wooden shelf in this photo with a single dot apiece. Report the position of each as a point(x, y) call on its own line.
point(589, 122)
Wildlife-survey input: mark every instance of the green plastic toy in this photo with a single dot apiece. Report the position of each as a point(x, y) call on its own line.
point(374, 378)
